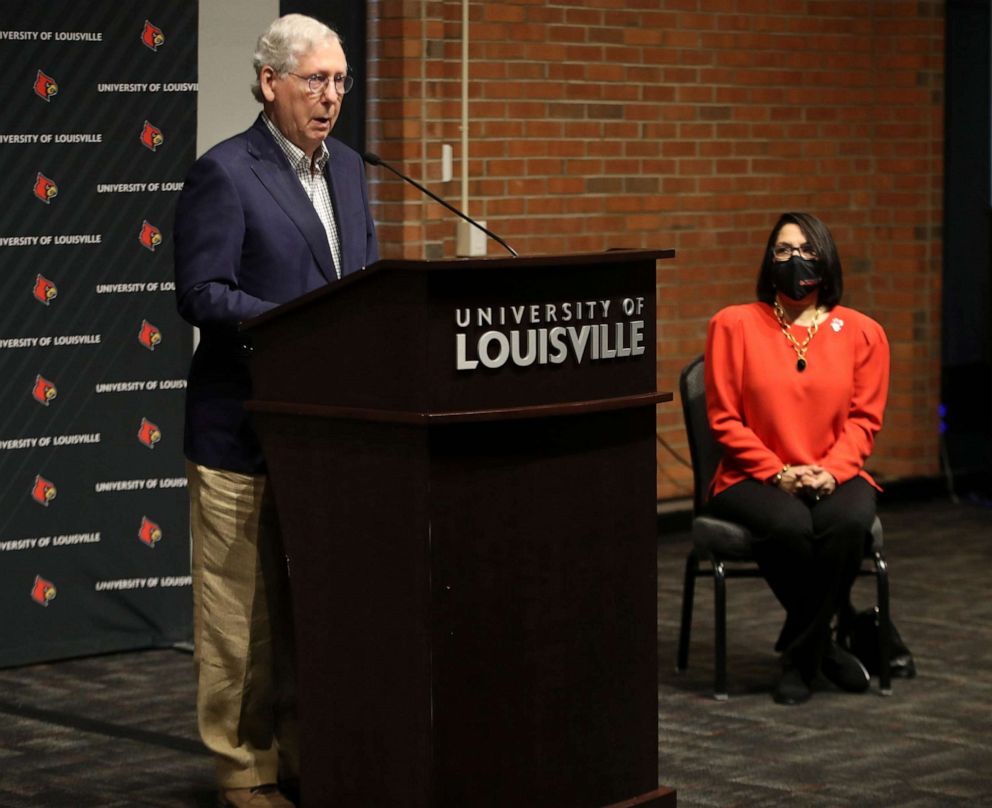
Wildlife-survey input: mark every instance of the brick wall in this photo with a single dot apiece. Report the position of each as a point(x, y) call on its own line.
point(688, 124)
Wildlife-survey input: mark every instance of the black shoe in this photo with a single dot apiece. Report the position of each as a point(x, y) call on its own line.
point(791, 688)
point(844, 669)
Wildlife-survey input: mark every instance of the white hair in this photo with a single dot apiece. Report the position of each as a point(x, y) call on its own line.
point(287, 40)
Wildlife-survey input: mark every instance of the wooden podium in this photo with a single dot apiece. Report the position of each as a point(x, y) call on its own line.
point(463, 459)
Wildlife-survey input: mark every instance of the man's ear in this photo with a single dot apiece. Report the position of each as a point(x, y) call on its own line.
point(266, 78)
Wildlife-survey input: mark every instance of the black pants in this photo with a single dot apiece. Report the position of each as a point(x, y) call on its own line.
point(808, 552)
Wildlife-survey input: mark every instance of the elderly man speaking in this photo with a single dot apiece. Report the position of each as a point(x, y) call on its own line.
point(264, 217)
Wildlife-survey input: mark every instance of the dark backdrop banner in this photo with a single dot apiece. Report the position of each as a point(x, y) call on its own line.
point(97, 128)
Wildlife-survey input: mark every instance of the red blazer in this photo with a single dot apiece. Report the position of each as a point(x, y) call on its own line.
point(766, 414)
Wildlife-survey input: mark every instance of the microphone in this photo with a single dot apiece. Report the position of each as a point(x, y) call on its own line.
point(375, 160)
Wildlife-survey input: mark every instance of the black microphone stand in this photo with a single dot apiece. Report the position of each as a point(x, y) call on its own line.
point(376, 160)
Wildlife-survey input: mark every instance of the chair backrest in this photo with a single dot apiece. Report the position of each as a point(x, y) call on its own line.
point(703, 447)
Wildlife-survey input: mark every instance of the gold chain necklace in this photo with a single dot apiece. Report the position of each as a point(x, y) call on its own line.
point(800, 349)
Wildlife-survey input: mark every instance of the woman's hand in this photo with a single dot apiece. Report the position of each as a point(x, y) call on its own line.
point(808, 480)
point(823, 483)
point(790, 479)
point(815, 482)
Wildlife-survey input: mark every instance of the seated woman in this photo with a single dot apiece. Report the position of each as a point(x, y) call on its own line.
point(795, 390)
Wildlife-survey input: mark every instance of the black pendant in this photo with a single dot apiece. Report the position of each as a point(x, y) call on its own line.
point(801, 365)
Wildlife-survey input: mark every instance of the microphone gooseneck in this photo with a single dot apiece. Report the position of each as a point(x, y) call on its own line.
point(375, 160)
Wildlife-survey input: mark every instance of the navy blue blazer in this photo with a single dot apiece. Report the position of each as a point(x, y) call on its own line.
point(247, 238)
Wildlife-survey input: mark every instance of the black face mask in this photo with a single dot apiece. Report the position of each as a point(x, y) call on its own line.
point(797, 277)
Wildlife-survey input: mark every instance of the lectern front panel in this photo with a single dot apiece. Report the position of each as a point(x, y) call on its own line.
point(463, 461)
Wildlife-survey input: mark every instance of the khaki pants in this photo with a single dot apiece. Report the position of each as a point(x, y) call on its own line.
point(242, 628)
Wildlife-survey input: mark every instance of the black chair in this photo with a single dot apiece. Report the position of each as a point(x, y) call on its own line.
point(727, 545)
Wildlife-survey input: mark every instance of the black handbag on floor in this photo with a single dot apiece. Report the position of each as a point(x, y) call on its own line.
point(858, 633)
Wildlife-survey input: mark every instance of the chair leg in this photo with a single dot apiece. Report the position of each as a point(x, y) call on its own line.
point(884, 626)
point(688, 595)
point(720, 624)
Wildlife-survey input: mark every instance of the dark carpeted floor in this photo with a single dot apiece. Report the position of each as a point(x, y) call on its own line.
point(929, 744)
point(119, 730)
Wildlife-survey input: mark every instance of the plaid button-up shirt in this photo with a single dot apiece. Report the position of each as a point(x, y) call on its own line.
point(311, 177)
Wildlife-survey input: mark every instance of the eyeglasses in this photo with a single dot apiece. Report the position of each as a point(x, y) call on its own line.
point(317, 83)
point(783, 252)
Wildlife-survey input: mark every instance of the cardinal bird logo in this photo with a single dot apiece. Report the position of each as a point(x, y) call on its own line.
point(152, 36)
point(45, 86)
point(151, 136)
point(149, 335)
point(43, 592)
point(149, 434)
point(150, 236)
point(44, 290)
point(149, 532)
point(44, 391)
point(45, 189)
point(44, 491)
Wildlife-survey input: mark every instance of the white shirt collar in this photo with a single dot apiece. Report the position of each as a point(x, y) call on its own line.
point(294, 153)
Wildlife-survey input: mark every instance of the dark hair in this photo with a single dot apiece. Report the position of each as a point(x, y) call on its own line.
point(817, 234)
